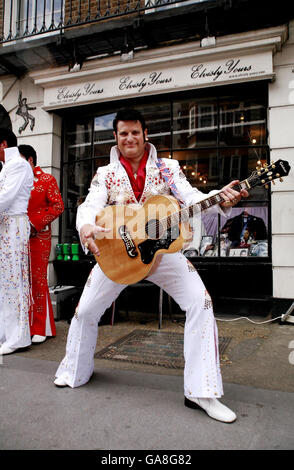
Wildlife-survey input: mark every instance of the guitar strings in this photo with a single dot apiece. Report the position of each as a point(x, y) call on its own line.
point(184, 214)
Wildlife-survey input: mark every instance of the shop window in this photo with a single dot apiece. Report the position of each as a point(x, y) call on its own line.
point(216, 138)
point(245, 233)
point(25, 17)
point(77, 172)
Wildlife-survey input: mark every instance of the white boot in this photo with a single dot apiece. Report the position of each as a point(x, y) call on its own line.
point(60, 382)
point(38, 339)
point(214, 408)
point(6, 350)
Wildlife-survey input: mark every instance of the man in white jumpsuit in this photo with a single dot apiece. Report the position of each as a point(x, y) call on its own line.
point(116, 183)
point(16, 182)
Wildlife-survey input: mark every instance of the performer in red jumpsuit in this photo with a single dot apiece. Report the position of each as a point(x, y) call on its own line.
point(45, 205)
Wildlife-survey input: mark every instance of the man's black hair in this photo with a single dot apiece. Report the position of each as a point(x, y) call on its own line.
point(28, 151)
point(9, 136)
point(128, 114)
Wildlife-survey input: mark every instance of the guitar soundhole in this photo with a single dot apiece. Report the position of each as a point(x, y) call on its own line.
point(154, 229)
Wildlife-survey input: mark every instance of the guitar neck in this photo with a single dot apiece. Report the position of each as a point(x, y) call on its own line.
point(184, 214)
point(210, 201)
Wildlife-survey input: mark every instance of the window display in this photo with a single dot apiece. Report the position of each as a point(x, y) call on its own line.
point(246, 230)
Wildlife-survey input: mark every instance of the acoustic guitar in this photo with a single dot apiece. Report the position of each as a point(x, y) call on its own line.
point(140, 234)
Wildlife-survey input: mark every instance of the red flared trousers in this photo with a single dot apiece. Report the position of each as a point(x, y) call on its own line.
point(41, 314)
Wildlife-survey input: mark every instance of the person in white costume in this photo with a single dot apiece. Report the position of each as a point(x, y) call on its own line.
point(119, 183)
point(16, 182)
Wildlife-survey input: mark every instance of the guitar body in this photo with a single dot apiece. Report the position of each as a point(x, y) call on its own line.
point(128, 253)
point(141, 234)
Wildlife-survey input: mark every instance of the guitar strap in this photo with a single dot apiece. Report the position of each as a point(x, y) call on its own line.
point(165, 171)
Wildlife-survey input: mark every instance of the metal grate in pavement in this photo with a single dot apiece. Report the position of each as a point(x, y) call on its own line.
point(156, 348)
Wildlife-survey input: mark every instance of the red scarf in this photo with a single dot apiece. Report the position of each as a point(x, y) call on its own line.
point(139, 182)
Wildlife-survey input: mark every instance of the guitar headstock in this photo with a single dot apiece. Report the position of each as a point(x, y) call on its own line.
point(268, 173)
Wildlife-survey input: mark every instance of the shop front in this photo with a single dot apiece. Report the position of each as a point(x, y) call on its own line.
point(218, 135)
point(207, 107)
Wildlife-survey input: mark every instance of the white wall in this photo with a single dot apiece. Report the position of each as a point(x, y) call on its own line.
point(281, 132)
point(45, 137)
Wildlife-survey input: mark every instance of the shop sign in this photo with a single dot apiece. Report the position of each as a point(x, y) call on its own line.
point(164, 78)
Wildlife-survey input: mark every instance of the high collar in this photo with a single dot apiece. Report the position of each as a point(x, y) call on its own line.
point(152, 157)
point(10, 153)
point(38, 171)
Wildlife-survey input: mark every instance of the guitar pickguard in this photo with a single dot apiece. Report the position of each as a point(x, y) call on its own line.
point(127, 239)
point(149, 247)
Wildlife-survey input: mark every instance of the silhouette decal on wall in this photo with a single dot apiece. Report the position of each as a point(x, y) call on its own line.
point(23, 111)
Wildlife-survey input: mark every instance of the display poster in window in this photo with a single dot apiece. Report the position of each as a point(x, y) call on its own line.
point(243, 234)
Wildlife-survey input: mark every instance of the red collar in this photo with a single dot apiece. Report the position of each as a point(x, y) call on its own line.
point(139, 182)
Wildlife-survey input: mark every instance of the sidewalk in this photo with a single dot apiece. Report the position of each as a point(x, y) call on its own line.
point(130, 406)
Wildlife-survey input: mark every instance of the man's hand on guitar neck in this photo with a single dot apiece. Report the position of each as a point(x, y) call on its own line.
point(231, 196)
point(88, 234)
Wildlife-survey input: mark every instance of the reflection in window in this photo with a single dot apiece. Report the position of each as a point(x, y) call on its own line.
point(103, 134)
point(195, 123)
point(78, 140)
point(196, 166)
point(192, 120)
point(243, 121)
point(206, 116)
point(158, 123)
point(76, 178)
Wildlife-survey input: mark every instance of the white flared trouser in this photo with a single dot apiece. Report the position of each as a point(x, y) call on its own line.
point(14, 281)
point(176, 276)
